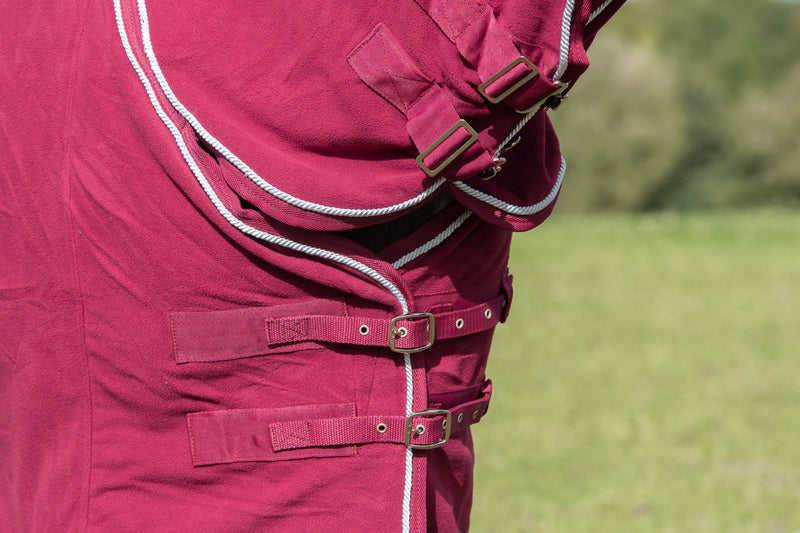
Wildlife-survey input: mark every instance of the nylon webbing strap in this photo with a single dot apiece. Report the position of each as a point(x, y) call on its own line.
point(448, 145)
point(427, 430)
point(507, 76)
point(408, 334)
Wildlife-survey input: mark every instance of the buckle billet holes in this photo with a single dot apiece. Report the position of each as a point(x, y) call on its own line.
point(459, 323)
point(460, 418)
point(382, 428)
point(488, 313)
point(463, 147)
point(531, 75)
point(364, 329)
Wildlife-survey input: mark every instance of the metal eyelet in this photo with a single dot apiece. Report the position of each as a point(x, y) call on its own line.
point(460, 418)
point(419, 430)
point(382, 428)
point(475, 414)
point(364, 329)
point(444, 424)
point(459, 323)
point(402, 332)
point(488, 313)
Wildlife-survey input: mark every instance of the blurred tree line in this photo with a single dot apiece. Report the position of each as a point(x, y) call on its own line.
point(688, 104)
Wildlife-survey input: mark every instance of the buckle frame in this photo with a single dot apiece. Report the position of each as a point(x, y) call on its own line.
point(393, 332)
point(431, 412)
point(534, 73)
point(473, 138)
point(561, 87)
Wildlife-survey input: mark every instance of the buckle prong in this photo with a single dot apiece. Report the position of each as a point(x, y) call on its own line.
point(394, 332)
point(413, 430)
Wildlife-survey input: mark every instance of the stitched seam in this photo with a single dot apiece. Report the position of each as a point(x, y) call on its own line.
point(68, 176)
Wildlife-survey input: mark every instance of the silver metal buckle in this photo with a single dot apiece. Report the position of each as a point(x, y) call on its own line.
point(561, 87)
point(433, 412)
point(534, 73)
point(393, 333)
point(473, 138)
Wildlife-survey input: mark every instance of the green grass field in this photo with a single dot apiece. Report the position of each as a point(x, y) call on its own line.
point(648, 379)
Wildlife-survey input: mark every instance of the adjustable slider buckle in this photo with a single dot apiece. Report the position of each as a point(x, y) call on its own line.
point(473, 138)
point(395, 332)
point(561, 87)
point(420, 429)
point(533, 74)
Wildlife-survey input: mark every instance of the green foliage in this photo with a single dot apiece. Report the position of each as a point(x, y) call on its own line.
point(688, 104)
point(646, 380)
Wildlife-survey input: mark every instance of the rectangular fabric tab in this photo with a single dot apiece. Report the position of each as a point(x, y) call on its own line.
point(225, 335)
point(237, 435)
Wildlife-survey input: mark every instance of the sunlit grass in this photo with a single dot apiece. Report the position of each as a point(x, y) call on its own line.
point(648, 379)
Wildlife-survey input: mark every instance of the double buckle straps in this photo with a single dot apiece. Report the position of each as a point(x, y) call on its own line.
point(401, 332)
point(473, 138)
point(420, 429)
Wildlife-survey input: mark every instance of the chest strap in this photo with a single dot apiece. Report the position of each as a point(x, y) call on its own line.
point(447, 143)
point(235, 435)
point(423, 430)
point(506, 75)
point(414, 332)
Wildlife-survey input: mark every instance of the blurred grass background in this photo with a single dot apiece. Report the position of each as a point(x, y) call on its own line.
point(648, 379)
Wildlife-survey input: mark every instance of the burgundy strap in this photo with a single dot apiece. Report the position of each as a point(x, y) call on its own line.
point(446, 142)
point(236, 435)
point(408, 334)
point(208, 336)
point(427, 430)
point(481, 40)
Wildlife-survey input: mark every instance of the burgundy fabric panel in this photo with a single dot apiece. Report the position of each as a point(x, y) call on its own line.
point(236, 333)
point(384, 66)
point(231, 436)
point(45, 421)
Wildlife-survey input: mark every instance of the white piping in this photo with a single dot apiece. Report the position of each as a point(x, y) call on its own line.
point(563, 63)
point(433, 243)
point(280, 241)
point(596, 13)
point(246, 170)
point(566, 34)
point(408, 482)
point(238, 224)
point(516, 209)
